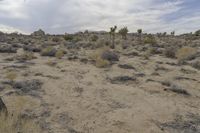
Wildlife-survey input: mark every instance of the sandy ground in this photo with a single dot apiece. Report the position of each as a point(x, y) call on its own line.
point(79, 98)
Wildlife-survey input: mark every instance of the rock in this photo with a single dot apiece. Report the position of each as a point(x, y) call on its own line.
point(28, 86)
point(31, 48)
point(7, 49)
point(131, 54)
point(1, 87)
point(3, 107)
point(196, 65)
point(126, 66)
point(38, 33)
point(110, 56)
point(175, 88)
point(122, 79)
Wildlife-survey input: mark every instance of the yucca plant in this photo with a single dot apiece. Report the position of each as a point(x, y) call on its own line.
point(139, 31)
point(123, 32)
point(112, 35)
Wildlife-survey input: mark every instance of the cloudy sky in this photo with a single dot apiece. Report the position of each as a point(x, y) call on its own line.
point(60, 16)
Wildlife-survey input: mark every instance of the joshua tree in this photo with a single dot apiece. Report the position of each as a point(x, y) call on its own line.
point(139, 31)
point(112, 35)
point(123, 32)
point(165, 33)
point(173, 33)
point(197, 33)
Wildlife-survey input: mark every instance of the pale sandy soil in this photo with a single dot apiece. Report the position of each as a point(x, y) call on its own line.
point(79, 98)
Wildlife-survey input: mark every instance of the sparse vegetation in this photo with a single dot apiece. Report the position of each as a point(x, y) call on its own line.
point(82, 72)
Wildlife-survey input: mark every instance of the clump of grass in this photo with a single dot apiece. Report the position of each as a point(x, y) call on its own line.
point(49, 51)
point(96, 56)
point(11, 76)
point(51, 63)
point(13, 122)
point(186, 53)
point(27, 56)
point(59, 54)
point(101, 63)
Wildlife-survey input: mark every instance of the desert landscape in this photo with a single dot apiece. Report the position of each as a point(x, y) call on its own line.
point(100, 82)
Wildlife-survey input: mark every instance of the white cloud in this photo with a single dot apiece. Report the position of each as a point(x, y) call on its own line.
point(59, 16)
point(9, 29)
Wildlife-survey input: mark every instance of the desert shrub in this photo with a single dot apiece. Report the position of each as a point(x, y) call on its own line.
point(102, 43)
point(150, 39)
point(49, 51)
point(196, 65)
point(27, 56)
point(77, 39)
point(152, 51)
point(59, 54)
point(51, 63)
point(68, 37)
point(170, 52)
point(55, 39)
point(94, 38)
point(96, 56)
point(99, 62)
point(186, 53)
